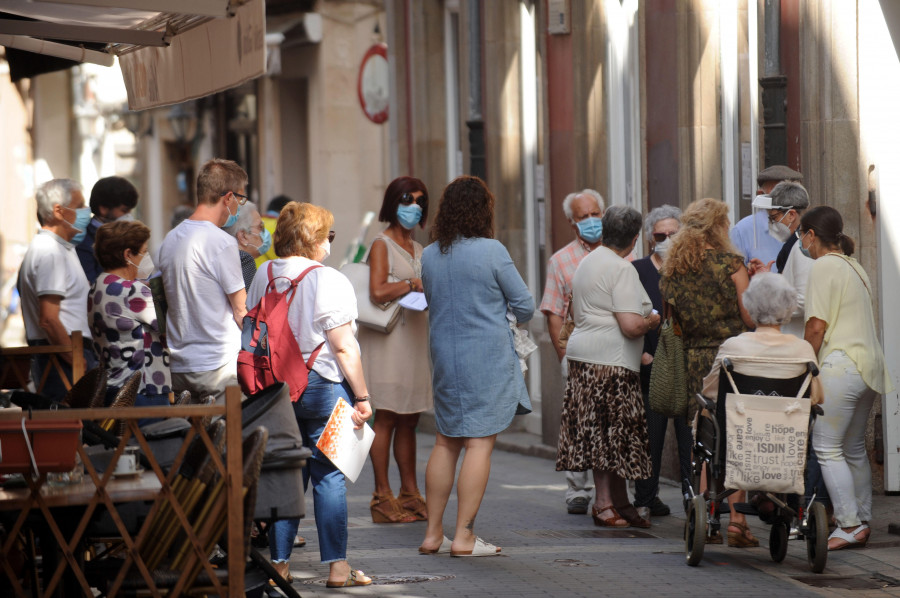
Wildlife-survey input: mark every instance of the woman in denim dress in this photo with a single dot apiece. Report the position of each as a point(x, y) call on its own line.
point(469, 281)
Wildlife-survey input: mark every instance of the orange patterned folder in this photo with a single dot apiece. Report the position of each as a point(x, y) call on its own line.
point(345, 447)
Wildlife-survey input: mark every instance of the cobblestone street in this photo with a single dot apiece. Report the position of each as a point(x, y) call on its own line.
point(547, 552)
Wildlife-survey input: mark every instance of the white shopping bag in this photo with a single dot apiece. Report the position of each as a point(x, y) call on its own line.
point(767, 438)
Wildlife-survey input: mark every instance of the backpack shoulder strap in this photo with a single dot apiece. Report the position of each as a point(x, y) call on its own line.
point(295, 282)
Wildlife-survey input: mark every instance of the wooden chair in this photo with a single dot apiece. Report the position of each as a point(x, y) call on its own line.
point(125, 398)
point(16, 368)
point(88, 391)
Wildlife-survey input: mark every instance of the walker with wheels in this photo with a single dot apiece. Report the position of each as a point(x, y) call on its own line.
point(709, 452)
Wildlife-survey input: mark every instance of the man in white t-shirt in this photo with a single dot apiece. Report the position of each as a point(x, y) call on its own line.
point(201, 273)
point(52, 285)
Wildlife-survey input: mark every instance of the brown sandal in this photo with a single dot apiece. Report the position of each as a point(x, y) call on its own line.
point(743, 538)
point(386, 509)
point(414, 504)
point(630, 514)
point(615, 520)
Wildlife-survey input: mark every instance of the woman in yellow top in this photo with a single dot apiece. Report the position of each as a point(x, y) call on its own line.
point(840, 326)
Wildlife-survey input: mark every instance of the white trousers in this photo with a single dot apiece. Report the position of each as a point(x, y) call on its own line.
point(839, 439)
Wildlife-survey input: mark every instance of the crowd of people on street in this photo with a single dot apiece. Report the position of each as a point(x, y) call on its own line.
point(782, 282)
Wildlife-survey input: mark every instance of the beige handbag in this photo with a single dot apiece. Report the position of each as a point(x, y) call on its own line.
point(767, 437)
point(377, 316)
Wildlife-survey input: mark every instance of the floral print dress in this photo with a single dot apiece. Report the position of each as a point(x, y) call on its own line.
point(706, 305)
point(126, 334)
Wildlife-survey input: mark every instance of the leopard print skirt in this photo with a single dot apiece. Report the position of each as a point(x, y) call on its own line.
point(603, 423)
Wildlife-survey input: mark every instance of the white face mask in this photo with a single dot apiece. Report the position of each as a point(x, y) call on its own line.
point(326, 246)
point(145, 268)
point(779, 230)
point(661, 249)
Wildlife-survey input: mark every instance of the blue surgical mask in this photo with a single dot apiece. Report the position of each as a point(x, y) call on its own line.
point(82, 220)
point(266, 237)
point(232, 218)
point(409, 216)
point(803, 249)
point(590, 229)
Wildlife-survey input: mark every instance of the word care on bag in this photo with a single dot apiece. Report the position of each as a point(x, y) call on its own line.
point(767, 438)
point(377, 316)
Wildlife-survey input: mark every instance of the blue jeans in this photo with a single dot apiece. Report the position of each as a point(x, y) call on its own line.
point(54, 387)
point(329, 489)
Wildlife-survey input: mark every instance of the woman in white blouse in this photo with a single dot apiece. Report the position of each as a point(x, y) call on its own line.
point(840, 326)
point(603, 426)
point(322, 317)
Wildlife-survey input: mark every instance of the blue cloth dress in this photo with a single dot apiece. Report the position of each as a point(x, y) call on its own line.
point(478, 385)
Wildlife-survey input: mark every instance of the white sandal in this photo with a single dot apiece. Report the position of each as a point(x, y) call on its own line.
point(849, 538)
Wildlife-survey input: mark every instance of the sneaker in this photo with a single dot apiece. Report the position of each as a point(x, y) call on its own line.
point(578, 505)
point(644, 512)
point(658, 508)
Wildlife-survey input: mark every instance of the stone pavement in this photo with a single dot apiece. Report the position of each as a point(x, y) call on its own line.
point(547, 552)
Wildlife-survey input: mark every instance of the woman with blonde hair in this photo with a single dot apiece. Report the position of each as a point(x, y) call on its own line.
point(703, 281)
point(322, 317)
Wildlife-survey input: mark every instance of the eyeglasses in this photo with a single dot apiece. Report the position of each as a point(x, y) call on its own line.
point(331, 236)
point(660, 237)
point(800, 234)
point(408, 198)
point(242, 199)
point(778, 215)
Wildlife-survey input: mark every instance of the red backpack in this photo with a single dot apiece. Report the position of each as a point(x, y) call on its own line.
point(269, 351)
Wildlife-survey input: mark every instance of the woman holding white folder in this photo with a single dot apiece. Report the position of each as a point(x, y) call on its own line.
point(322, 317)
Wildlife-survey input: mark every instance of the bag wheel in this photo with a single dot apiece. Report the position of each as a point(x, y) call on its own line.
point(778, 541)
point(817, 537)
point(695, 531)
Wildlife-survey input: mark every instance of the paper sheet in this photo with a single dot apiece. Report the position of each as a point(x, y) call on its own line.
point(414, 301)
point(345, 447)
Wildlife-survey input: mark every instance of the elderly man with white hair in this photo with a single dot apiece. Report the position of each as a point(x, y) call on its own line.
point(253, 239)
point(583, 210)
point(52, 284)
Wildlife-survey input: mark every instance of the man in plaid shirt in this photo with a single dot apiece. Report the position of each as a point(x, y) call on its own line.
point(583, 211)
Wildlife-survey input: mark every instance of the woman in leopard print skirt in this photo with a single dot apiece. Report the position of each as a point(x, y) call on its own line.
point(603, 425)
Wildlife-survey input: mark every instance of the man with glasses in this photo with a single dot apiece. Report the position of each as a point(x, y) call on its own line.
point(201, 273)
point(783, 208)
point(751, 234)
point(583, 210)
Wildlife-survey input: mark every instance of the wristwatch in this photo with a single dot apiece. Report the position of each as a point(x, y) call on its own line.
point(362, 399)
point(412, 287)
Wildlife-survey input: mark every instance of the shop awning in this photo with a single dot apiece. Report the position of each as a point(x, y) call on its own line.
point(170, 51)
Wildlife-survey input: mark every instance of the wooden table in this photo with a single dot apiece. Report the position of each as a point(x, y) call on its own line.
point(142, 487)
point(153, 484)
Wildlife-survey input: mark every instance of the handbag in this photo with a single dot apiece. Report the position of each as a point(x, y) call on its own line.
point(568, 326)
point(767, 437)
point(377, 316)
point(668, 378)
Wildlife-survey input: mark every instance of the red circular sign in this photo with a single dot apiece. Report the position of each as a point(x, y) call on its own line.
point(373, 84)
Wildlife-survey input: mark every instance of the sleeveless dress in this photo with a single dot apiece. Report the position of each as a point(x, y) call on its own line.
point(396, 365)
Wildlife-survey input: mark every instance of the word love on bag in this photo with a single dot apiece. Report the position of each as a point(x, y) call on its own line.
point(767, 440)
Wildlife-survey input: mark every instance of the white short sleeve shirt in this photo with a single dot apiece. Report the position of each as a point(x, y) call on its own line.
point(326, 300)
point(603, 285)
point(200, 267)
point(51, 267)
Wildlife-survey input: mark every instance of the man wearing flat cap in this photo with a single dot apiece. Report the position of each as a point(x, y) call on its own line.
point(751, 235)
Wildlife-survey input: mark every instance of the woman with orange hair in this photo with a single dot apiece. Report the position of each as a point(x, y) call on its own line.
point(322, 317)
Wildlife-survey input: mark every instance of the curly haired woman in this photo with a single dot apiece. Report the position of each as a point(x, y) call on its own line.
point(470, 281)
point(703, 281)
